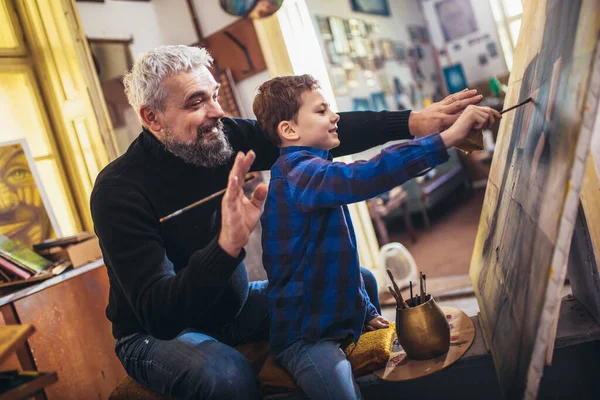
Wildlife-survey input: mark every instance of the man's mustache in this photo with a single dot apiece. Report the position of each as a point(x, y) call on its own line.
point(205, 129)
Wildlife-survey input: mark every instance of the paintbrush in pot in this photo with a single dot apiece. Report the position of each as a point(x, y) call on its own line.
point(397, 289)
point(398, 303)
point(422, 299)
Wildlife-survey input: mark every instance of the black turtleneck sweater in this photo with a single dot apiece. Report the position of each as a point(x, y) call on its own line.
point(168, 277)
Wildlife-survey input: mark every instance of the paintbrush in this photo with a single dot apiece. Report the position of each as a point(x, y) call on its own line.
point(422, 299)
point(397, 289)
point(398, 303)
point(411, 294)
point(249, 177)
point(475, 142)
point(425, 286)
point(518, 105)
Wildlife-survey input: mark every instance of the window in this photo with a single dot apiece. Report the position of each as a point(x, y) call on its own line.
point(508, 14)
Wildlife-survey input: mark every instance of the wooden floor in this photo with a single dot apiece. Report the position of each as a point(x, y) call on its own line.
point(446, 249)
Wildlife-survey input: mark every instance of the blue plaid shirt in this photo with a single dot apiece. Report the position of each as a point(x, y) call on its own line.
point(315, 287)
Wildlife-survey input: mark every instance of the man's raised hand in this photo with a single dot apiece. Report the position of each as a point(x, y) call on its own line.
point(240, 215)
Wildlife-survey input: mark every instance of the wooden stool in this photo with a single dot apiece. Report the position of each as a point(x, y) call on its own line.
point(128, 389)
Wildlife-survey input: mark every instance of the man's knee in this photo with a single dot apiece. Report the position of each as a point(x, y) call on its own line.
point(227, 376)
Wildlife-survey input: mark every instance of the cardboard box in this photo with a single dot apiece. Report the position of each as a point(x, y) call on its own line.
point(79, 253)
point(84, 252)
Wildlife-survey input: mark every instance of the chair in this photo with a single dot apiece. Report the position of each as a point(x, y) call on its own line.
point(378, 209)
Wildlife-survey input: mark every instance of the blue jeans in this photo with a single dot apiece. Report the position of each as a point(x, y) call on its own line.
point(320, 369)
point(202, 365)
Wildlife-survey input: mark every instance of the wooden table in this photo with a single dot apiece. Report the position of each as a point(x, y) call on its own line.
point(73, 334)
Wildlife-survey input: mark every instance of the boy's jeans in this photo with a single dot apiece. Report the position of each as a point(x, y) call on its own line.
point(321, 369)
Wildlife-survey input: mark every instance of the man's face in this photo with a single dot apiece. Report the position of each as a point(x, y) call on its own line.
point(190, 121)
point(316, 123)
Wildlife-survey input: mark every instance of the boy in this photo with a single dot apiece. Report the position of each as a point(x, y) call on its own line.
point(316, 294)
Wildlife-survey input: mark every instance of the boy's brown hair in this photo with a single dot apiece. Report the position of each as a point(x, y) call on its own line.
point(279, 99)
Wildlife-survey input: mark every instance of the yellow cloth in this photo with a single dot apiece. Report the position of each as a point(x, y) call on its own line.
point(370, 353)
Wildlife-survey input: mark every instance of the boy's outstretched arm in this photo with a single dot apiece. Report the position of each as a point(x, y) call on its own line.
point(318, 183)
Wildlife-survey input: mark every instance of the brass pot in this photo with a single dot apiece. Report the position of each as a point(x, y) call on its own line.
point(423, 331)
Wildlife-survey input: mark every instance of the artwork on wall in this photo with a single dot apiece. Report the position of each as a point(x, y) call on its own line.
point(238, 8)
point(332, 55)
point(520, 256)
point(385, 83)
point(229, 98)
point(361, 104)
point(339, 81)
point(26, 215)
point(400, 51)
point(418, 34)
point(265, 8)
point(387, 49)
point(455, 78)
point(483, 59)
point(456, 17)
point(379, 7)
point(324, 28)
point(492, 50)
point(236, 47)
point(340, 37)
point(379, 102)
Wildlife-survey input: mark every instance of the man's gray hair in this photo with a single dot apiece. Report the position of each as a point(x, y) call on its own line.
point(143, 84)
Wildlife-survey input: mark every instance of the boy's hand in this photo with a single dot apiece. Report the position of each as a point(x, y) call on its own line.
point(377, 323)
point(470, 123)
point(440, 116)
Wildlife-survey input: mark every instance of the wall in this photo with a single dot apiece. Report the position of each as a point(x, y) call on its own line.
point(403, 13)
point(161, 22)
point(468, 55)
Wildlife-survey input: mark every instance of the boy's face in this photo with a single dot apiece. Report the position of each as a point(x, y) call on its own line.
point(316, 123)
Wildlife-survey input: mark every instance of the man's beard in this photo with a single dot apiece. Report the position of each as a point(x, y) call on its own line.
point(211, 151)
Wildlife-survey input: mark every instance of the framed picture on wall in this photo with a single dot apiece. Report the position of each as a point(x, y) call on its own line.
point(229, 98)
point(339, 81)
point(361, 104)
point(455, 78)
point(379, 7)
point(456, 18)
point(379, 102)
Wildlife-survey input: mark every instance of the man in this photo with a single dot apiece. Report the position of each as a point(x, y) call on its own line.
point(179, 296)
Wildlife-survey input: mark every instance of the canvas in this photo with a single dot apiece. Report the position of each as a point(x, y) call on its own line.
point(520, 255)
point(24, 209)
